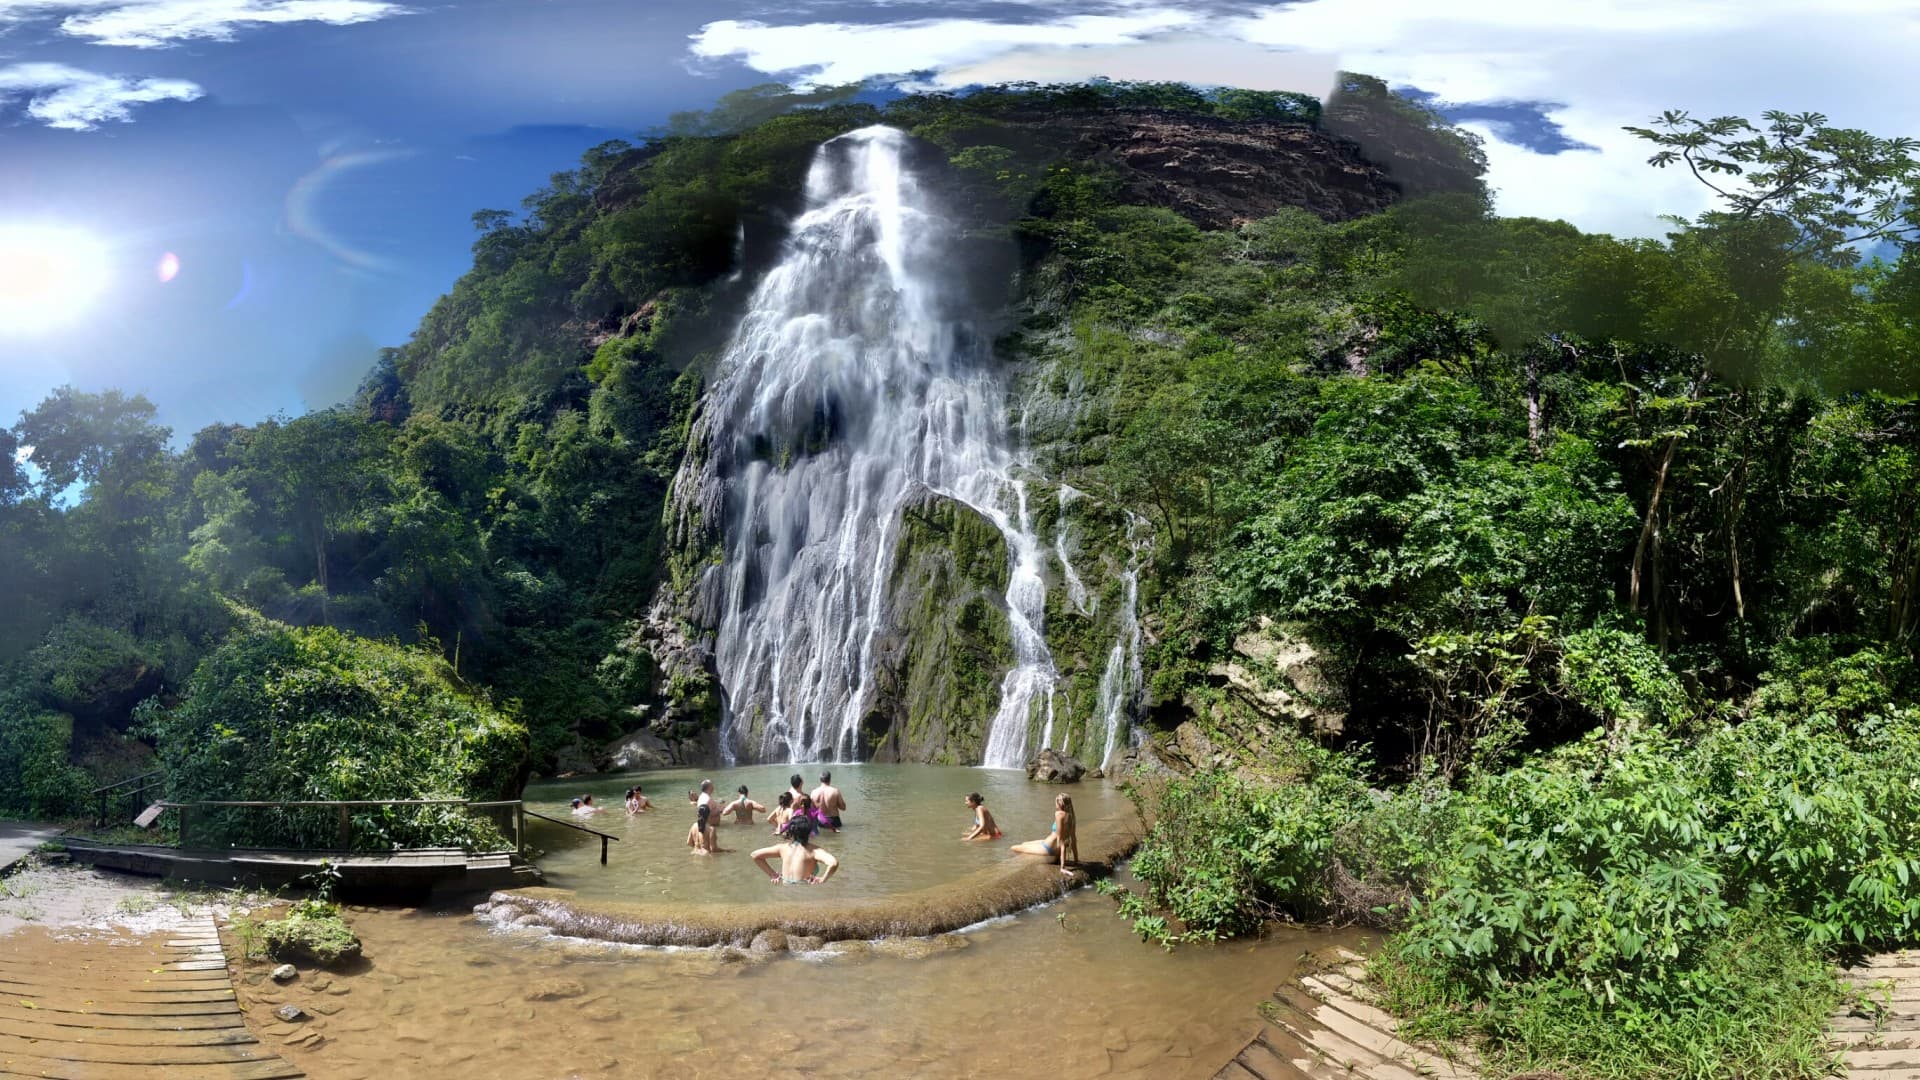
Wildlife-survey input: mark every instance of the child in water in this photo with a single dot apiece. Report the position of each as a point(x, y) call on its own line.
point(983, 824)
point(637, 803)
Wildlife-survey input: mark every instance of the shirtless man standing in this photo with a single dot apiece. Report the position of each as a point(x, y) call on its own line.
point(829, 800)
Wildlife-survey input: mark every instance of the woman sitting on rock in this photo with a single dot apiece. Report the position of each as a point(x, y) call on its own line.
point(1063, 837)
point(983, 824)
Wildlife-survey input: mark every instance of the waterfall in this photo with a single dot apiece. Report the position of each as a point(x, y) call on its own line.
point(856, 377)
point(1122, 682)
point(1076, 588)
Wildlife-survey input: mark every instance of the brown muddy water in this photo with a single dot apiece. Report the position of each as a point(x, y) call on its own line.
point(1061, 992)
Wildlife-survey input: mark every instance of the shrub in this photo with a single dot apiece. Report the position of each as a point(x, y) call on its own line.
point(317, 714)
point(35, 777)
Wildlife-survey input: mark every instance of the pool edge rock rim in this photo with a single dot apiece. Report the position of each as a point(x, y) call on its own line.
point(1019, 883)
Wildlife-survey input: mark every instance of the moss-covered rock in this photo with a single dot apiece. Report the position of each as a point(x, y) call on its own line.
point(313, 932)
point(946, 644)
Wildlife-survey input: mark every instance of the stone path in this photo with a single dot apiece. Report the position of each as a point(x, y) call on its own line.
point(19, 838)
point(130, 1009)
point(1324, 1026)
point(1887, 1046)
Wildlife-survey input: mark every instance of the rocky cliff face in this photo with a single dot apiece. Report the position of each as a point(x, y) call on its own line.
point(940, 656)
point(1219, 173)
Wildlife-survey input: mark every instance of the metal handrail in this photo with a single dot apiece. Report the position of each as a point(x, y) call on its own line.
point(123, 783)
point(604, 837)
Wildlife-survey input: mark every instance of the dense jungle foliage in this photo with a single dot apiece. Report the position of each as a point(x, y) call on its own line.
point(1608, 550)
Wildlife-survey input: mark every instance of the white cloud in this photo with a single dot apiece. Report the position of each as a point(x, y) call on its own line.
point(64, 97)
point(1616, 62)
point(156, 23)
point(828, 54)
point(1607, 63)
point(1188, 58)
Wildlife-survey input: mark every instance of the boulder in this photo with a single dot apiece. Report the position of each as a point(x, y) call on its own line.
point(555, 990)
point(1051, 766)
point(767, 941)
point(285, 973)
point(1277, 673)
point(290, 1013)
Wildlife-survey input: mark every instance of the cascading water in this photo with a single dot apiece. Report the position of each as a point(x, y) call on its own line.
point(1121, 683)
point(856, 378)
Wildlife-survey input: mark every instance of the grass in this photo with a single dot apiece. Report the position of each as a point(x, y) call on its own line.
point(1760, 1014)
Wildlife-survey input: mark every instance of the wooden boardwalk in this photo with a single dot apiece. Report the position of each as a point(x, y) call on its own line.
point(1880, 1040)
point(1325, 1026)
point(162, 1007)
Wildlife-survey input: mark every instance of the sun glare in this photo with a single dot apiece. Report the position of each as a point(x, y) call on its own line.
point(49, 276)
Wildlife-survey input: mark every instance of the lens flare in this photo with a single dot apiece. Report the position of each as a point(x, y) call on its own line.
point(168, 269)
point(49, 276)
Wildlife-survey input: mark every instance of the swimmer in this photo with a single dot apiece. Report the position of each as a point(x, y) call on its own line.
point(794, 786)
point(983, 824)
point(1063, 837)
point(578, 807)
point(828, 798)
point(586, 806)
point(637, 802)
point(800, 861)
point(706, 818)
point(742, 808)
point(781, 813)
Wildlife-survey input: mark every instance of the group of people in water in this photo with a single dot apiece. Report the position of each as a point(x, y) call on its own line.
point(800, 816)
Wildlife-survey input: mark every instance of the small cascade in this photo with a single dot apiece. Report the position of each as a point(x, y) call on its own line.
point(1076, 588)
point(855, 380)
point(1122, 682)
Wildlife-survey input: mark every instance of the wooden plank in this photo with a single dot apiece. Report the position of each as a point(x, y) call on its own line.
point(30, 1067)
point(1233, 1070)
point(1306, 1019)
point(136, 1022)
point(12, 1047)
point(1882, 1059)
point(145, 981)
point(127, 1036)
point(148, 816)
point(121, 1004)
point(1378, 1032)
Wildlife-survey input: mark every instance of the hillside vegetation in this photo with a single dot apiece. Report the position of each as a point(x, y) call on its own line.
point(1603, 555)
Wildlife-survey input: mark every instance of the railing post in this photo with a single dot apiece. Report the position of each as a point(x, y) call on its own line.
point(520, 827)
point(603, 851)
point(346, 828)
point(183, 825)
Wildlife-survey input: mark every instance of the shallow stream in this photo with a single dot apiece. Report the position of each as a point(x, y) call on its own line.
point(1060, 992)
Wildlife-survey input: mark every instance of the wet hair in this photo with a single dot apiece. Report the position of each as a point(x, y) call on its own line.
point(576, 804)
point(826, 777)
point(636, 789)
point(796, 779)
point(588, 799)
point(975, 799)
point(786, 798)
point(629, 793)
point(804, 802)
point(706, 785)
point(743, 789)
point(800, 830)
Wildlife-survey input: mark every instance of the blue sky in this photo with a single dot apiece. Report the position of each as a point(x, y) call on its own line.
point(313, 164)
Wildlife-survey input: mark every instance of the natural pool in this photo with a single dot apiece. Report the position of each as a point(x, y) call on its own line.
point(1063, 992)
point(902, 828)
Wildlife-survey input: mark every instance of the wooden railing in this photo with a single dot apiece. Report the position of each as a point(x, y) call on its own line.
point(132, 789)
point(344, 809)
point(604, 837)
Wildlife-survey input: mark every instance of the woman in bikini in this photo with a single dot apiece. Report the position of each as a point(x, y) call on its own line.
point(983, 824)
point(1062, 838)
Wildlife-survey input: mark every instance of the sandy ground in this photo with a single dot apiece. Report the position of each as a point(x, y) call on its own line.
point(78, 901)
